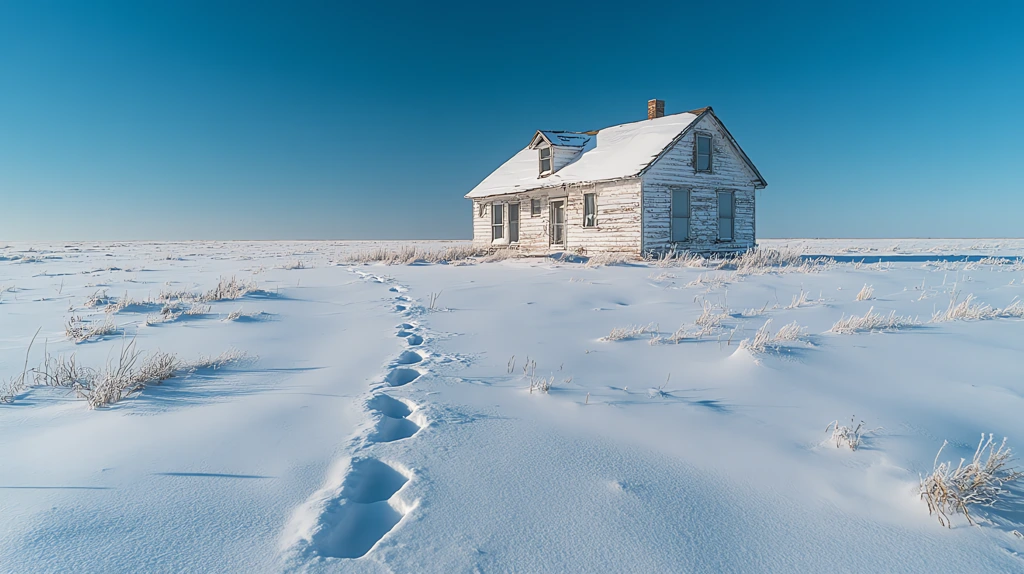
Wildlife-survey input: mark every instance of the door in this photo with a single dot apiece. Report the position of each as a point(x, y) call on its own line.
point(513, 223)
point(557, 220)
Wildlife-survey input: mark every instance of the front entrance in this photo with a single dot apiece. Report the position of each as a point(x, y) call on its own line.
point(557, 222)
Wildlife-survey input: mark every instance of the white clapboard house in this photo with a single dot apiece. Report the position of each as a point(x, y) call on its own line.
point(677, 182)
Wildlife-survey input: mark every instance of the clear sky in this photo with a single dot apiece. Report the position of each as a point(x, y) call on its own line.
point(330, 119)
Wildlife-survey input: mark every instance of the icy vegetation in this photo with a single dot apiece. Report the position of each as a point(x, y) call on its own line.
point(436, 407)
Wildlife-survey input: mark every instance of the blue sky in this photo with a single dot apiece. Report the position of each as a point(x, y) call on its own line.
point(219, 120)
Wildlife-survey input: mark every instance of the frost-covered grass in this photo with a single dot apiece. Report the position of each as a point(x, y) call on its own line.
point(764, 341)
point(970, 310)
point(606, 259)
point(629, 332)
point(871, 321)
point(866, 292)
point(128, 373)
point(852, 436)
point(409, 254)
point(950, 490)
point(79, 330)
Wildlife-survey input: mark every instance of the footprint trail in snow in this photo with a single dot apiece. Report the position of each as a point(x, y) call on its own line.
point(364, 501)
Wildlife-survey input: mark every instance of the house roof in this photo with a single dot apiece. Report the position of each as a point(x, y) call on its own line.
point(616, 152)
point(573, 139)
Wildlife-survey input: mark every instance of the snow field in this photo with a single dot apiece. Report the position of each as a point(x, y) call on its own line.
point(698, 441)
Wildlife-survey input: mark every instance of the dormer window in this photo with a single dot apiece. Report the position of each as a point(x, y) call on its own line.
point(702, 152)
point(545, 160)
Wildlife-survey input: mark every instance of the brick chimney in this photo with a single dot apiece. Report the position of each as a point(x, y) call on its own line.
point(655, 109)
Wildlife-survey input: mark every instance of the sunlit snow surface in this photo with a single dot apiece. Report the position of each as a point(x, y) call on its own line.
point(374, 434)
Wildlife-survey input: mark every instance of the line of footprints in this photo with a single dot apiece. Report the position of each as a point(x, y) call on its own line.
point(368, 504)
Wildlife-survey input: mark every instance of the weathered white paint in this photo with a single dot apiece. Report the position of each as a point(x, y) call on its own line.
point(562, 156)
point(675, 170)
point(634, 213)
point(618, 219)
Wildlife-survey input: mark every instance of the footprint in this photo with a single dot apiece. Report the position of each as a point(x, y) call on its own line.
point(401, 376)
point(414, 340)
point(403, 334)
point(400, 308)
point(363, 512)
point(409, 358)
point(395, 422)
point(405, 326)
point(370, 480)
point(389, 406)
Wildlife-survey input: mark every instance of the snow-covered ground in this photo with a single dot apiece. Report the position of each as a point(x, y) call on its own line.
point(373, 433)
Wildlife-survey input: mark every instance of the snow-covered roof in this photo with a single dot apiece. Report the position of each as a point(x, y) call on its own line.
point(616, 152)
point(573, 139)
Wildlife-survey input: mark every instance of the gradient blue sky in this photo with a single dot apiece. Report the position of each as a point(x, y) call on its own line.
point(217, 120)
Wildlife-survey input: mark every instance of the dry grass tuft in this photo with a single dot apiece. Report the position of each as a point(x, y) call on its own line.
point(79, 331)
point(866, 292)
point(711, 318)
point(629, 332)
point(716, 281)
point(409, 254)
point(850, 436)
point(763, 340)
point(968, 310)
point(608, 259)
point(131, 372)
point(952, 490)
point(872, 321)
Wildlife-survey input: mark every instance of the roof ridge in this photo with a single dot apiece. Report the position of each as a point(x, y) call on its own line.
point(696, 112)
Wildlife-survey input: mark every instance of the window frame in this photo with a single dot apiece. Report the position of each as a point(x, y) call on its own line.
point(550, 160)
point(536, 209)
point(673, 217)
point(732, 220)
point(593, 216)
point(697, 154)
point(497, 229)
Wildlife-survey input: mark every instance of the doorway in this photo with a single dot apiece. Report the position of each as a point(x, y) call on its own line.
point(557, 222)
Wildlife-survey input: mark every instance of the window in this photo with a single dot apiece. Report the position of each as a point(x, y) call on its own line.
point(726, 213)
point(680, 215)
point(589, 210)
point(545, 160)
point(534, 208)
point(513, 223)
point(497, 221)
point(703, 153)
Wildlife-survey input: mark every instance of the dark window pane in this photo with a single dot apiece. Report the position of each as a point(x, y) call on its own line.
point(534, 207)
point(725, 205)
point(545, 152)
point(497, 215)
point(545, 165)
point(725, 229)
point(513, 222)
point(703, 162)
point(681, 203)
point(703, 145)
point(680, 228)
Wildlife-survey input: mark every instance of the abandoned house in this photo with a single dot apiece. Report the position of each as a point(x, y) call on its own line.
point(677, 182)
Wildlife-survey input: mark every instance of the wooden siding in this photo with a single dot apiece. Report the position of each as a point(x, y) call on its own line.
point(675, 170)
point(562, 156)
point(618, 219)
